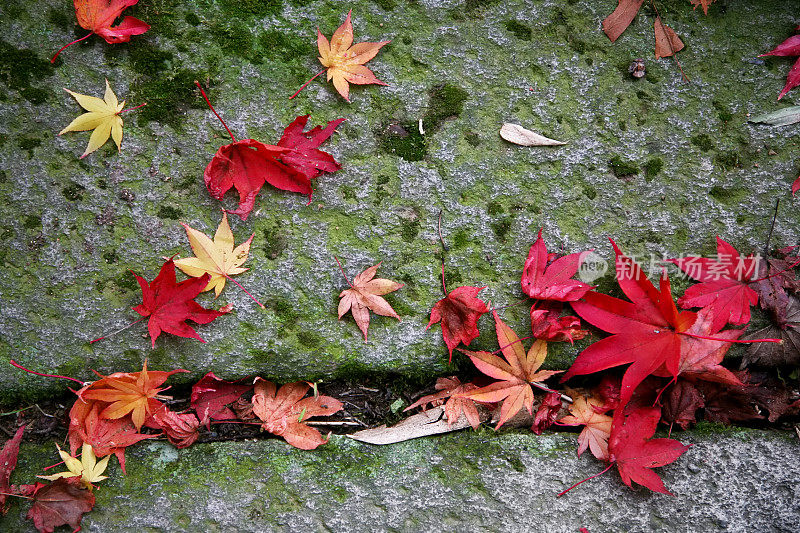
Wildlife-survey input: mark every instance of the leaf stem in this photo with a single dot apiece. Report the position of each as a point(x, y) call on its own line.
point(343, 274)
point(17, 365)
point(306, 83)
point(444, 287)
point(790, 267)
point(560, 494)
point(53, 60)
point(735, 341)
point(205, 97)
point(132, 108)
point(245, 290)
point(17, 495)
point(118, 331)
point(444, 246)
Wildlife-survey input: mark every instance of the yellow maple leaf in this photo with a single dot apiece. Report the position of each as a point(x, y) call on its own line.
point(217, 258)
point(87, 468)
point(102, 117)
point(345, 61)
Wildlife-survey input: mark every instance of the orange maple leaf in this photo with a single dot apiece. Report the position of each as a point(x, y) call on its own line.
point(283, 411)
point(344, 61)
point(128, 392)
point(704, 3)
point(365, 295)
point(584, 412)
point(516, 373)
point(451, 388)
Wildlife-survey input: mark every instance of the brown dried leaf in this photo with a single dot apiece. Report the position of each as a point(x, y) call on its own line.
point(667, 41)
point(618, 21)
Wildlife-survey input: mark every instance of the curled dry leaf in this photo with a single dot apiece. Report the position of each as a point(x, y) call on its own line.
point(181, 429)
point(431, 422)
point(514, 133)
point(781, 117)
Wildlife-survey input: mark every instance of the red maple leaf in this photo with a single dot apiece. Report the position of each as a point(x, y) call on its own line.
point(8, 462)
point(106, 436)
point(59, 503)
point(789, 47)
point(548, 324)
point(701, 355)
point(181, 429)
point(646, 331)
point(290, 166)
point(169, 304)
point(459, 312)
point(635, 455)
point(284, 410)
point(547, 412)
point(724, 284)
point(98, 17)
point(211, 396)
point(552, 281)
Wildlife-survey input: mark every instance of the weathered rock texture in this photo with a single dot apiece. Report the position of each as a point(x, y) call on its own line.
point(659, 164)
point(732, 481)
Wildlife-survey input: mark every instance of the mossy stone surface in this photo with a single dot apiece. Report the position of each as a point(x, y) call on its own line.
point(72, 229)
point(729, 480)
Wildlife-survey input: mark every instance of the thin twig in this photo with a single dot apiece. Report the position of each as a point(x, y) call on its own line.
point(117, 331)
point(331, 423)
point(772, 227)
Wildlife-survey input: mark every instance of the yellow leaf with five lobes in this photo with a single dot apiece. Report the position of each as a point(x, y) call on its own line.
point(102, 117)
point(87, 468)
point(218, 258)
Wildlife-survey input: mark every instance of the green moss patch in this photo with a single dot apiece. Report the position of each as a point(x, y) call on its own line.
point(18, 68)
point(622, 167)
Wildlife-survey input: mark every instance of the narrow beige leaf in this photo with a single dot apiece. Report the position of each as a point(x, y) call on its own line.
point(514, 133)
